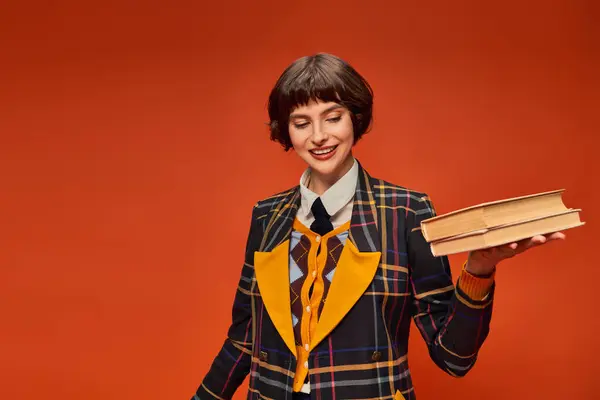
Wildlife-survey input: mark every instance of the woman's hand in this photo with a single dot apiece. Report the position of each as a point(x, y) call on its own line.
point(483, 262)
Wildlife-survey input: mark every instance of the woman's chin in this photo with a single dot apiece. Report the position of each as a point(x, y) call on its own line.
point(328, 168)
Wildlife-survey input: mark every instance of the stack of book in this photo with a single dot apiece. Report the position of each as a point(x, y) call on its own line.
point(500, 222)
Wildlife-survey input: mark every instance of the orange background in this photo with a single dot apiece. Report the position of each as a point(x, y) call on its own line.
point(133, 147)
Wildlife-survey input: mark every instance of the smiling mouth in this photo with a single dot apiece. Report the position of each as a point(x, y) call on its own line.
point(323, 151)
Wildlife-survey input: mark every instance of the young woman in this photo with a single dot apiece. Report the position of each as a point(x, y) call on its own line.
point(336, 267)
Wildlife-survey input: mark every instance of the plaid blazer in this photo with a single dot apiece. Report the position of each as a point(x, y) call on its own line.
point(385, 277)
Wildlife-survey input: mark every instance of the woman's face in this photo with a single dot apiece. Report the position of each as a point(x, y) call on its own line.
point(322, 135)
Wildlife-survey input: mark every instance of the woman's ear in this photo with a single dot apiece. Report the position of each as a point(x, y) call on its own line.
point(358, 118)
point(274, 127)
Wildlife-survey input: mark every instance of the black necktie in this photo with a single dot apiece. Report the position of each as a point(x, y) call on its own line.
point(322, 225)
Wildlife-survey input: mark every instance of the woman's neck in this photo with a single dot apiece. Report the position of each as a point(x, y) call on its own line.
point(319, 183)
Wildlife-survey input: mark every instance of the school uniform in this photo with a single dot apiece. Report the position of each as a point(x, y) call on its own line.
point(324, 312)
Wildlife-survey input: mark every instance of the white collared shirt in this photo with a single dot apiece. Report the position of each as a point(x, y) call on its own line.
point(338, 199)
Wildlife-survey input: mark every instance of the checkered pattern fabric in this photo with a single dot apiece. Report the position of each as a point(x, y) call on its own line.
point(365, 356)
point(299, 247)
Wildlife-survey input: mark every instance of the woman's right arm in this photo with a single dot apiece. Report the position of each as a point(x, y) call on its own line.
point(232, 364)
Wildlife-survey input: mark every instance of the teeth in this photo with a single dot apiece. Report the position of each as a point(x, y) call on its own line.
point(325, 151)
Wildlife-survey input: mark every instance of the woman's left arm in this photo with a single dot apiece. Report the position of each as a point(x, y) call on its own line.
point(453, 319)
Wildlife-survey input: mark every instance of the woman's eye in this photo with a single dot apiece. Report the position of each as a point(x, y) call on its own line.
point(301, 126)
point(334, 119)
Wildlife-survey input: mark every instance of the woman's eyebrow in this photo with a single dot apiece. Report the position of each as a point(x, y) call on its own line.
point(327, 110)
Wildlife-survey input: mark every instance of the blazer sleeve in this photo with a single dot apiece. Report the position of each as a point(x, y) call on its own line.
point(232, 363)
point(453, 320)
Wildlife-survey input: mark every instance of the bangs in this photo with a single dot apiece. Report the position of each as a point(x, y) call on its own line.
point(311, 81)
point(311, 84)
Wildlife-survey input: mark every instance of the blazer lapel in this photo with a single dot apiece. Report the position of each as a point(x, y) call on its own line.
point(280, 218)
point(271, 264)
point(358, 262)
point(364, 224)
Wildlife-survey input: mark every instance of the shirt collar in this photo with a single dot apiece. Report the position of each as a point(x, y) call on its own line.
point(334, 198)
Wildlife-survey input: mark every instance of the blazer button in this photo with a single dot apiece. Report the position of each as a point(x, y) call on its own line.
point(376, 356)
point(263, 356)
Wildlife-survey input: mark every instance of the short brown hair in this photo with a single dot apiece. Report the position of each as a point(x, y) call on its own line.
point(323, 77)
